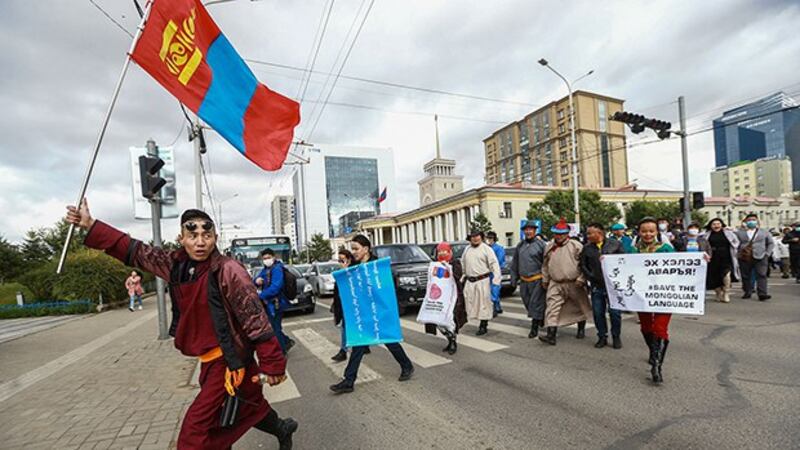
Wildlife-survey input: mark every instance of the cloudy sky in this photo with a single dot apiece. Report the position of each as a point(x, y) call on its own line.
point(59, 61)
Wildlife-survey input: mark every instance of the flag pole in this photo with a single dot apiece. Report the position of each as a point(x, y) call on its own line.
point(102, 133)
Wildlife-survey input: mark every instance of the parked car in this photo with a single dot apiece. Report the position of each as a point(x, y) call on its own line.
point(320, 278)
point(303, 269)
point(509, 286)
point(410, 272)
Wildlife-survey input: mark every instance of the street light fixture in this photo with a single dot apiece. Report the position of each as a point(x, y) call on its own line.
point(575, 193)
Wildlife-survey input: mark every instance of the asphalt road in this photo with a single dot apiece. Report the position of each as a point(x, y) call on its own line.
point(731, 381)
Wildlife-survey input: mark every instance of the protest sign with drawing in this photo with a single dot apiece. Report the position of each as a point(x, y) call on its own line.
point(440, 297)
point(656, 282)
point(369, 304)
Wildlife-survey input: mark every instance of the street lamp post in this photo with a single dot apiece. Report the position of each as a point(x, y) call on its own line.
point(574, 143)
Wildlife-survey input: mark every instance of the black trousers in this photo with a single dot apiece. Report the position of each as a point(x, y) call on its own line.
point(759, 266)
point(351, 371)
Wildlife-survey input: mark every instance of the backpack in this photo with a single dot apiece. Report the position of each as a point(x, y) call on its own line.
point(289, 284)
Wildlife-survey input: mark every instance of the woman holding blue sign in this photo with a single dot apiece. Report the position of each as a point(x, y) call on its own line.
point(654, 326)
point(362, 251)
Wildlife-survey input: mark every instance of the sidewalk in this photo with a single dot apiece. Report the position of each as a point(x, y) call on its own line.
point(121, 389)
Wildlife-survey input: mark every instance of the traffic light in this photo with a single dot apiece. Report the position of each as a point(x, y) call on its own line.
point(698, 200)
point(149, 167)
point(638, 123)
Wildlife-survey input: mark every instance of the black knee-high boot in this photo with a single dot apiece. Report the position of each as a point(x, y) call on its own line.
point(581, 330)
point(283, 429)
point(534, 329)
point(483, 328)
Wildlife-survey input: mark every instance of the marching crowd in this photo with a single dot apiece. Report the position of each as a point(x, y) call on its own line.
point(561, 279)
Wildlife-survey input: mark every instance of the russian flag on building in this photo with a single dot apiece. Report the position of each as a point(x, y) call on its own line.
point(383, 195)
point(184, 50)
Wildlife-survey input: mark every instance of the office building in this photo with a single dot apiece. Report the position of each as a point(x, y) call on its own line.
point(769, 127)
point(766, 177)
point(536, 149)
point(505, 205)
point(773, 212)
point(440, 179)
point(282, 212)
point(339, 180)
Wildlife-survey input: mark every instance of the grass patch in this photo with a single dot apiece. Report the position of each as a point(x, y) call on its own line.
point(8, 293)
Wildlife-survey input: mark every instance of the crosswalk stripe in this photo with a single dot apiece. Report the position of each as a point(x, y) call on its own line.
point(467, 341)
point(483, 345)
point(282, 392)
point(525, 317)
point(323, 349)
point(509, 329)
point(423, 358)
point(291, 323)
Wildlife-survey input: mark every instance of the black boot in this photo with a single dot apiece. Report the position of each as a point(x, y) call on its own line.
point(367, 351)
point(601, 342)
point(551, 336)
point(662, 353)
point(648, 339)
point(581, 330)
point(342, 387)
point(453, 347)
point(534, 329)
point(339, 357)
point(283, 429)
point(655, 360)
point(617, 342)
point(482, 328)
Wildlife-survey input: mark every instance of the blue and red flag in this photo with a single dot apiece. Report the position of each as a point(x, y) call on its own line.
point(383, 195)
point(184, 50)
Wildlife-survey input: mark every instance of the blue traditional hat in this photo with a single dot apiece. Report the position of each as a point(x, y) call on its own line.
point(529, 224)
point(617, 226)
point(561, 227)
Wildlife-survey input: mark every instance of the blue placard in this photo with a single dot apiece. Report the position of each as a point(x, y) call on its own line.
point(369, 304)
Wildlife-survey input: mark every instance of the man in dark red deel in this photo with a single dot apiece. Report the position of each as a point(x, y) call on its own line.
point(217, 318)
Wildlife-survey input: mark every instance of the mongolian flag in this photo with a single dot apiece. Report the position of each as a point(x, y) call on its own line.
point(182, 48)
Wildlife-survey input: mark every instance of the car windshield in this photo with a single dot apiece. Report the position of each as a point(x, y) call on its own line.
point(429, 249)
point(302, 268)
point(458, 249)
point(402, 254)
point(509, 254)
point(325, 269)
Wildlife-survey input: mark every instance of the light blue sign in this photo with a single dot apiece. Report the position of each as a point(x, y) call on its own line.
point(369, 304)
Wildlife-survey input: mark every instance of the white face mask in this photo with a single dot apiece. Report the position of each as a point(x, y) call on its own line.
point(268, 262)
point(693, 232)
point(662, 227)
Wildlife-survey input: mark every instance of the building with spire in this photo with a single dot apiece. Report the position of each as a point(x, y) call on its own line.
point(440, 180)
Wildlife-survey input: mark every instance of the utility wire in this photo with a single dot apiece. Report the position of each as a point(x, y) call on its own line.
point(339, 73)
point(114, 21)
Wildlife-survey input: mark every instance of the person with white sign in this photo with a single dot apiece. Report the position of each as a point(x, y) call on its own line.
point(567, 300)
point(444, 309)
point(654, 326)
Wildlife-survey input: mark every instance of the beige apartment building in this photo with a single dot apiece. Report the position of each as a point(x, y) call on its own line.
point(765, 177)
point(537, 149)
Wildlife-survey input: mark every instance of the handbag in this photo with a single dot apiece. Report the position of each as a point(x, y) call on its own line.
point(745, 253)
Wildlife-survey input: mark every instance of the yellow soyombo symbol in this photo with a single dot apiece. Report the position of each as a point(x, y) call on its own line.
point(178, 50)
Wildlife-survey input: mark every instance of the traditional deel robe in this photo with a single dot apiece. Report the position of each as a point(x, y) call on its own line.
point(479, 263)
point(567, 302)
point(526, 268)
point(215, 312)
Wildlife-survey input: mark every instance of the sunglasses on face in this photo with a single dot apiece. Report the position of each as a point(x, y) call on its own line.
point(195, 224)
point(342, 261)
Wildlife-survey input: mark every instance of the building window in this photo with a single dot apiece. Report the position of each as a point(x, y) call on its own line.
point(507, 210)
point(562, 142)
point(605, 159)
point(564, 156)
point(565, 183)
point(509, 239)
point(564, 169)
point(560, 114)
point(602, 116)
point(562, 129)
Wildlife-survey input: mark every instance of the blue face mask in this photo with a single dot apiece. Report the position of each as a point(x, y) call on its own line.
point(797, 229)
point(751, 224)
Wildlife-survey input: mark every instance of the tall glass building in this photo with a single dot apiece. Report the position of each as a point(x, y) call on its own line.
point(766, 127)
point(339, 186)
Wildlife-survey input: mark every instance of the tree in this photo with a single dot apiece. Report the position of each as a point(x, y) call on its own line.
point(319, 248)
point(480, 223)
point(55, 236)
point(638, 210)
point(11, 260)
point(559, 204)
point(34, 248)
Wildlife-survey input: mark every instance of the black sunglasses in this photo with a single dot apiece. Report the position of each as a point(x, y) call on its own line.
point(192, 225)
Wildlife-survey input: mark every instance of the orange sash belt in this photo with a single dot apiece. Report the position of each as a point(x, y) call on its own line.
point(532, 278)
point(210, 355)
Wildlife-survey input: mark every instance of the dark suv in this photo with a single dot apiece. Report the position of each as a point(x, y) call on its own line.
point(410, 272)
